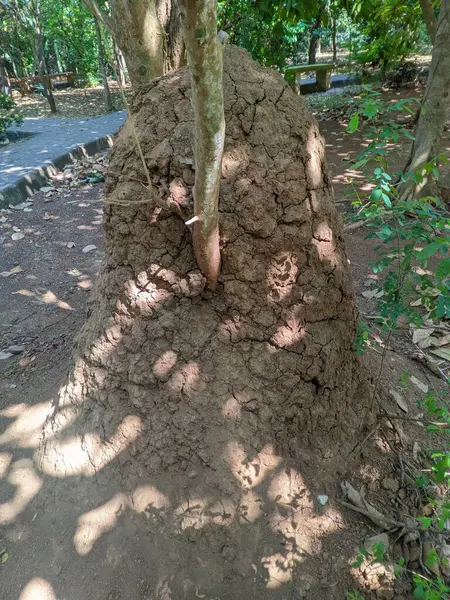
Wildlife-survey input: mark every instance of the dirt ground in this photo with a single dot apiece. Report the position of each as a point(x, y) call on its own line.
point(82, 550)
point(77, 102)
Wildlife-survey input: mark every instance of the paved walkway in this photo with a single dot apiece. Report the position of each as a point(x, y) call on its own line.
point(54, 136)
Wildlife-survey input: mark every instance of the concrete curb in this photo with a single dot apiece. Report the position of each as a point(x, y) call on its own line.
point(28, 184)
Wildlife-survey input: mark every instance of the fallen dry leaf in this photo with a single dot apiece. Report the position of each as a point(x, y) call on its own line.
point(71, 244)
point(17, 236)
point(441, 352)
point(89, 248)
point(421, 337)
point(422, 386)
point(13, 271)
point(401, 402)
point(24, 362)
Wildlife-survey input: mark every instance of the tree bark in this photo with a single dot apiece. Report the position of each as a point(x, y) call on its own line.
point(58, 57)
point(333, 40)
point(102, 67)
point(429, 18)
point(204, 52)
point(314, 40)
point(169, 16)
point(119, 65)
point(5, 87)
point(435, 104)
point(148, 32)
point(43, 71)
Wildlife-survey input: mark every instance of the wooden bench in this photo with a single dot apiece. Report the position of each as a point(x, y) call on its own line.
point(322, 71)
point(26, 84)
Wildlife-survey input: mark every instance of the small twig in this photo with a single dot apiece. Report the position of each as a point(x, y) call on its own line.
point(394, 524)
point(416, 420)
point(356, 225)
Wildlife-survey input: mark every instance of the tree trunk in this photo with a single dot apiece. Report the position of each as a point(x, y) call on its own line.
point(435, 104)
point(333, 40)
point(168, 12)
point(314, 40)
point(206, 415)
point(204, 52)
point(5, 87)
point(120, 68)
point(148, 32)
point(58, 57)
point(43, 71)
point(102, 68)
point(429, 18)
point(140, 36)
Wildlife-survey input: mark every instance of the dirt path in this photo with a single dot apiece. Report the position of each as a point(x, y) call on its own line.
point(90, 548)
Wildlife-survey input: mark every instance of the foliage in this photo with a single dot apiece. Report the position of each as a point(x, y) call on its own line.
point(68, 30)
point(406, 228)
point(9, 113)
point(412, 233)
point(270, 39)
point(389, 30)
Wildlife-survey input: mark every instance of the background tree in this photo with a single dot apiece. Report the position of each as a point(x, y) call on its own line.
point(435, 104)
point(102, 67)
point(148, 33)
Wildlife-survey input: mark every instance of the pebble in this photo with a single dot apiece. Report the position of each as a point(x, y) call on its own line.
point(15, 349)
point(389, 483)
point(382, 538)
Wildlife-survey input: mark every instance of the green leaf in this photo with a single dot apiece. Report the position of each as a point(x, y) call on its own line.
point(5, 557)
point(353, 124)
point(419, 591)
point(425, 522)
point(429, 250)
point(443, 269)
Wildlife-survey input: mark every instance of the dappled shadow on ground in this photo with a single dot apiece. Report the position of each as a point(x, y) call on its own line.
point(76, 102)
point(186, 455)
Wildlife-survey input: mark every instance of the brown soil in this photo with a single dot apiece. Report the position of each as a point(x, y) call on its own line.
point(134, 521)
point(77, 102)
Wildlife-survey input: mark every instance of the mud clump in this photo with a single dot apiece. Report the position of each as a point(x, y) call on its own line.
point(218, 410)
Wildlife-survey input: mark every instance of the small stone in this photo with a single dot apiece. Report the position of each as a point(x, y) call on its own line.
point(389, 483)
point(88, 248)
point(322, 499)
point(414, 552)
point(15, 349)
point(381, 538)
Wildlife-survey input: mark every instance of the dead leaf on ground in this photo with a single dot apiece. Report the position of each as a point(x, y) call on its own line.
point(423, 387)
point(21, 206)
point(421, 337)
point(13, 271)
point(401, 402)
point(17, 236)
point(369, 294)
point(24, 362)
point(89, 248)
point(441, 352)
point(71, 244)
